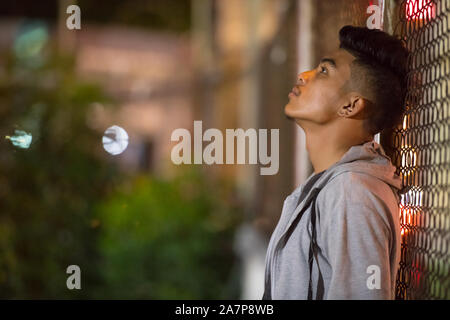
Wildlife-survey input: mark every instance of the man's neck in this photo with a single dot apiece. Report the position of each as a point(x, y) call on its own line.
point(326, 149)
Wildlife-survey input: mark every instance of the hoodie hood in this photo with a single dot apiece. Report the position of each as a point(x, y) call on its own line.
point(368, 158)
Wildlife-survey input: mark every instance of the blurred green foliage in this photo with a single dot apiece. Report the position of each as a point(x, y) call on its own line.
point(47, 191)
point(168, 240)
point(63, 201)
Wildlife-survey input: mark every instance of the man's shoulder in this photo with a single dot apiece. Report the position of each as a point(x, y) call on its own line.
point(359, 203)
point(351, 188)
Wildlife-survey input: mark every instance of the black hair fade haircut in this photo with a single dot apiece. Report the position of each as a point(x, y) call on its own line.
point(380, 66)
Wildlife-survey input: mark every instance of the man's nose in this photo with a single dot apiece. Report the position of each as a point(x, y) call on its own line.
point(303, 77)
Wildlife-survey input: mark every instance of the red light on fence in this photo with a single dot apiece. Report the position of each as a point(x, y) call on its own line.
point(420, 10)
point(405, 219)
point(410, 203)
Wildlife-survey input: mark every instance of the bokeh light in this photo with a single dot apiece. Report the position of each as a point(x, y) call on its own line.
point(21, 139)
point(115, 140)
point(31, 39)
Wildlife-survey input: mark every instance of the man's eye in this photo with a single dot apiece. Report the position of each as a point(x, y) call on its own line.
point(323, 70)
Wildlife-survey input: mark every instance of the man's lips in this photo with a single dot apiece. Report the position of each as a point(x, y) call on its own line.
point(294, 92)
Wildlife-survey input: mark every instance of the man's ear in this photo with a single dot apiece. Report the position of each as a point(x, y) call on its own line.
point(355, 107)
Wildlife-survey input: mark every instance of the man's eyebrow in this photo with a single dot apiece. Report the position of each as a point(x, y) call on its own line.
point(330, 61)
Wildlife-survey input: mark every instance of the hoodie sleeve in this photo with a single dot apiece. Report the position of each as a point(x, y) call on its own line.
point(356, 242)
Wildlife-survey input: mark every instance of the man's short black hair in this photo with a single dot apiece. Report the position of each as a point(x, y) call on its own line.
point(380, 66)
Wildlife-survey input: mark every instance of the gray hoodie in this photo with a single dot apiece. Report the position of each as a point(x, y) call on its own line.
point(358, 231)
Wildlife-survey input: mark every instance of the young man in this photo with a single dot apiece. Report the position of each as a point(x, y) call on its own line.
point(338, 236)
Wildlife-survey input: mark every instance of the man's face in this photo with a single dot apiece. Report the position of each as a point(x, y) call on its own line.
point(319, 93)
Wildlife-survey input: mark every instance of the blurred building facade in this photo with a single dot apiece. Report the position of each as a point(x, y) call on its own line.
point(245, 64)
point(150, 75)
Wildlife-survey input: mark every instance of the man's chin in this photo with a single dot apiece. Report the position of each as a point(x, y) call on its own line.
point(287, 113)
point(289, 117)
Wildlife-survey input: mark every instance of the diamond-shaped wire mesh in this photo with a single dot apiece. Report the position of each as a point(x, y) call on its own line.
point(421, 151)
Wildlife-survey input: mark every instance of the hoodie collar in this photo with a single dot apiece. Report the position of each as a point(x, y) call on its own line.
point(369, 158)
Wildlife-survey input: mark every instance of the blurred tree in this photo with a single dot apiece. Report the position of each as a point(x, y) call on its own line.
point(169, 240)
point(162, 15)
point(47, 191)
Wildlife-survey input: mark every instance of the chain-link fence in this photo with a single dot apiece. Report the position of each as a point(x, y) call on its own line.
point(421, 151)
